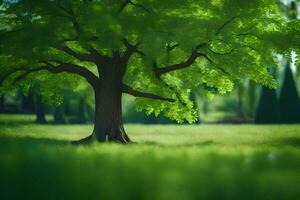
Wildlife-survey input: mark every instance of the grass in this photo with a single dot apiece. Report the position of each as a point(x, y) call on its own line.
point(211, 162)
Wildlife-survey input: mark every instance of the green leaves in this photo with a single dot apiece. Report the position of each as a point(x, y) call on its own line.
point(238, 39)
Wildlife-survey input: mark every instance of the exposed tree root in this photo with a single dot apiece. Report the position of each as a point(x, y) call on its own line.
point(119, 136)
point(85, 141)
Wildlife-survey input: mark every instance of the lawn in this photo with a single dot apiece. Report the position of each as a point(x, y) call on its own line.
point(209, 162)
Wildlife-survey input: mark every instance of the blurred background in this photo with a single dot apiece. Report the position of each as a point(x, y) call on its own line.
point(248, 103)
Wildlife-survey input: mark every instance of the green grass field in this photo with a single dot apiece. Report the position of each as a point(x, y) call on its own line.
point(209, 162)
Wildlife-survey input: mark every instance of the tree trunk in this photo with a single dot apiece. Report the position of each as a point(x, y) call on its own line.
point(28, 101)
point(82, 113)
point(39, 110)
point(59, 115)
point(251, 97)
point(108, 117)
point(108, 125)
point(240, 95)
point(2, 104)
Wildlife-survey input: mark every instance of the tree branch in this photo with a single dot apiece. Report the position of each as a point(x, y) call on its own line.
point(129, 90)
point(26, 73)
point(178, 95)
point(187, 63)
point(249, 33)
point(171, 47)
point(81, 57)
point(225, 24)
point(64, 67)
point(75, 69)
point(130, 49)
point(9, 72)
point(219, 68)
point(126, 2)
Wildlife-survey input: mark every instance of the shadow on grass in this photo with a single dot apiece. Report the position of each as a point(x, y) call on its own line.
point(198, 144)
point(292, 141)
point(6, 139)
point(31, 140)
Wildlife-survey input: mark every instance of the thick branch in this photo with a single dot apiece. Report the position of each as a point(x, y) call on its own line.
point(191, 60)
point(75, 69)
point(26, 73)
point(7, 73)
point(187, 63)
point(65, 67)
point(133, 92)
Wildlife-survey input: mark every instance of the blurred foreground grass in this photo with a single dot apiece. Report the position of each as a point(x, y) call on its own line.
point(210, 162)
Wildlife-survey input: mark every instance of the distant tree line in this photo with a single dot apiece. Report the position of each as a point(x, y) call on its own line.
point(74, 109)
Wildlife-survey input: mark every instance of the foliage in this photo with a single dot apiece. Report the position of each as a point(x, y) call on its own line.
point(224, 39)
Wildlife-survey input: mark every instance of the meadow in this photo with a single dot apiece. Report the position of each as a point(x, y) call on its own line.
point(167, 162)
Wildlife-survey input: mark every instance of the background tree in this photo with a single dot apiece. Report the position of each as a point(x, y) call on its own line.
point(59, 114)
point(289, 100)
point(154, 50)
point(251, 97)
point(267, 111)
point(40, 110)
point(2, 103)
point(289, 103)
point(85, 100)
point(28, 103)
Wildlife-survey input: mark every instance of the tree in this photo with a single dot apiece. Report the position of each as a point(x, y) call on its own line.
point(2, 103)
point(59, 114)
point(289, 100)
point(32, 103)
point(28, 102)
point(289, 104)
point(39, 110)
point(267, 111)
point(240, 100)
point(251, 97)
point(85, 99)
point(155, 50)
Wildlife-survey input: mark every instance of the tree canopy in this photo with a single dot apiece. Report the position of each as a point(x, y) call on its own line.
point(170, 47)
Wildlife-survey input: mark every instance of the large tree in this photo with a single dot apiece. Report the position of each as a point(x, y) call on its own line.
point(155, 50)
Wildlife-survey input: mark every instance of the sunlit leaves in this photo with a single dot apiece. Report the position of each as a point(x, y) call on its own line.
point(240, 38)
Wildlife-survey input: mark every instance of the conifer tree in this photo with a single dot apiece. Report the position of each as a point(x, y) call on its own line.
point(267, 111)
point(289, 103)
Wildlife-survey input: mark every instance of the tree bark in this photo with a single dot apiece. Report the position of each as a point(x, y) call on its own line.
point(108, 111)
point(108, 125)
point(40, 110)
point(2, 104)
point(108, 89)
